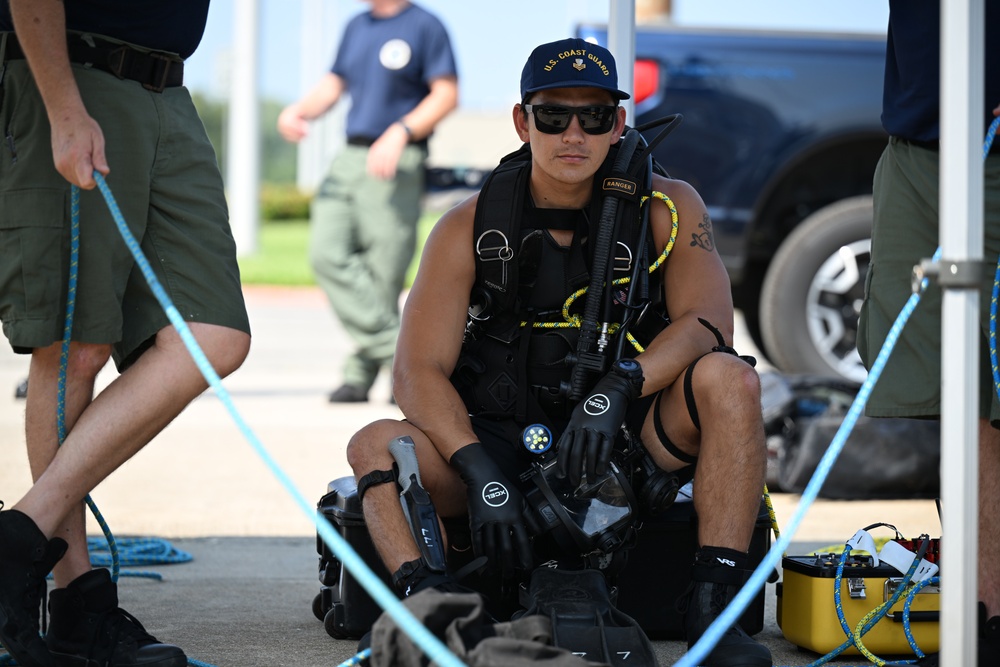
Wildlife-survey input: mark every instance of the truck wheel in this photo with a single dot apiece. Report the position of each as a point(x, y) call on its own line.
point(812, 293)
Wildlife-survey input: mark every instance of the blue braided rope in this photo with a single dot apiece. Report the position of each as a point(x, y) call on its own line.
point(906, 613)
point(987, 144)
point(359, 659)
point(143, 551)
point(838, 603)
point(843, 621)
point(759, 577)
point(730, 614)
point(137, 551)
point(852, 638)
point(74, 270)
point(431, 645)
point(991, 134)
point(199, 663)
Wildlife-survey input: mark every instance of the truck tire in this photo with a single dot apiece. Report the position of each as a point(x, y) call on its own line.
point(812, 292)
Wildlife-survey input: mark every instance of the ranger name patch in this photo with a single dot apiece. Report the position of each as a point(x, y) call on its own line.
point(619, 185)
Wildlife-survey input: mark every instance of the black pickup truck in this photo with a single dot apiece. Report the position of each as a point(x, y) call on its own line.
point(781, 135)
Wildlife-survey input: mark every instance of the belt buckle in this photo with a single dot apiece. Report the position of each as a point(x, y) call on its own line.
point(160, 71)
point(116, 61)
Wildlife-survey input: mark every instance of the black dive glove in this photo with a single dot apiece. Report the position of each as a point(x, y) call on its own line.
point(590, 435)
point(495, 510)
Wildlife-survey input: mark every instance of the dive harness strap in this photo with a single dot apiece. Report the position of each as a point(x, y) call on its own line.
point(498, 223)
point(592, 356)
point(591, 359)
point(497, 229)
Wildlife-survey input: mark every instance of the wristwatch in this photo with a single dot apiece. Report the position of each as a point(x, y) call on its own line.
point(631, 371)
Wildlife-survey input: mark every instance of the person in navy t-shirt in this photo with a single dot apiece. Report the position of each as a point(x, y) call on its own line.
point(396, 63)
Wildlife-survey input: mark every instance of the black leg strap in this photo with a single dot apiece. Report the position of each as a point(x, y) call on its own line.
point(661, 433)
point(373, 478)
point(689, 394)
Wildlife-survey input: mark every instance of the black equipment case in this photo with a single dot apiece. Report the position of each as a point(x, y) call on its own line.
point(343, 604)
point(647, 589)
point(656, 574)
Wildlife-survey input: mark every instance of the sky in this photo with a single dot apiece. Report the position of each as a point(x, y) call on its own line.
point(491, 38)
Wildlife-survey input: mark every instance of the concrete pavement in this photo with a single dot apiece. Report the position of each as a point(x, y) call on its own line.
point(245, 598)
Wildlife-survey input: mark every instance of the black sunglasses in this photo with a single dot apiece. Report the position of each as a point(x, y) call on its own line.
point(555, 118)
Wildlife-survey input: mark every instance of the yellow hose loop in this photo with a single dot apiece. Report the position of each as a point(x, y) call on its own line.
point(771, 514)
point(838, 548)
point(638, 347)
point(574, 321)
point(569, 302)
point(674, 222)
point(877, 611)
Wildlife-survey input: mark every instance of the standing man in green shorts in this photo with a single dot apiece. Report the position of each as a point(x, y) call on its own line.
point(96, 85)
point(396, 63)
point(906, 230)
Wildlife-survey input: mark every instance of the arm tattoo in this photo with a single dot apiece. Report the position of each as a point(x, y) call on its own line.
point(705, 239)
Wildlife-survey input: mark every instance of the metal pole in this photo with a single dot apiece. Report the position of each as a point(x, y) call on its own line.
point(243, 163)
point(311, 38)
point(621, 43)
point(961, 232)
point(326, 135)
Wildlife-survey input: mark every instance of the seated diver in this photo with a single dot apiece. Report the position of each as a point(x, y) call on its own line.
point(488, 347)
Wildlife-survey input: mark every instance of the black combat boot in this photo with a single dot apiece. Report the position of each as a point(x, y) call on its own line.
point(988, 637)
point(415, 576)
point(87, 628)
point(716, 578)
point(26, 558)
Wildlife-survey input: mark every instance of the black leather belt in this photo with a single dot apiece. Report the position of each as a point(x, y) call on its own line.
point(368, 141)
point(153, 69)
point(360, 141)
point(936, 145)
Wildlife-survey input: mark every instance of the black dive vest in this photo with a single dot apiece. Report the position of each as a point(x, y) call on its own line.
point(518, 356)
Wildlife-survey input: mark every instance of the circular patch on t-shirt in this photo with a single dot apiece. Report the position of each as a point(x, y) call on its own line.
point(395, 54)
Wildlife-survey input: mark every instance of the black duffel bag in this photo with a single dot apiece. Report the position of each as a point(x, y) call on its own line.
point(883, 458)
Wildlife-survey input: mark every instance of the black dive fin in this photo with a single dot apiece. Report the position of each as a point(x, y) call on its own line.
point(584, 620)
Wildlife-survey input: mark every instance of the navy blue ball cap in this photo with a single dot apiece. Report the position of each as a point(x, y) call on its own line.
point(570, 63)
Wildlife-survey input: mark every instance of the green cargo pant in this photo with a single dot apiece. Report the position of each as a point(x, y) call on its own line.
point(906, 230)
point(362, 243)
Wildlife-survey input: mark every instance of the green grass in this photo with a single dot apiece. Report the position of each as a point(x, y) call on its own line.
point(282, 253)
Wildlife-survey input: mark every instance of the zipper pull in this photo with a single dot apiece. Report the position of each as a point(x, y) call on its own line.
point(10, 145)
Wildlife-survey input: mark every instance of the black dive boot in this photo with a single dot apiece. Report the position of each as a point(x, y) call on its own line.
point(716, 578)
point(87, 628)
point(413, 577)
point(26, 558)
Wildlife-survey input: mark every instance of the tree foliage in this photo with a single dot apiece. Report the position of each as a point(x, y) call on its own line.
point(278, 157)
